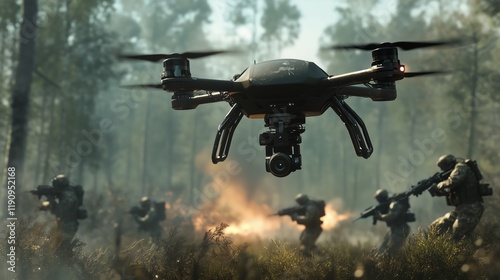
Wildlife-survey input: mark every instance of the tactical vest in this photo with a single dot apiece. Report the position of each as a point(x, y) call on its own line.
point(468, 191)
point(320, 206)
point(402, 215)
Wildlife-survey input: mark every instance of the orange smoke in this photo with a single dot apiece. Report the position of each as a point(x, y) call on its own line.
point(244, 216)
point(233, 205)
point(332, 218)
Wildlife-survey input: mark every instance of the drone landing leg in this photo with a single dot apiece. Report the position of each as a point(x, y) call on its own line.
point(360, 138)
point(225, 131)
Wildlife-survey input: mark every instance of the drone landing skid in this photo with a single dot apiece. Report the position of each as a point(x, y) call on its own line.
point(360, 138)
point(225, 133)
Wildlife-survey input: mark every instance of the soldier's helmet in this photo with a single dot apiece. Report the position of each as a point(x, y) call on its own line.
point(301, 199)
point(381, 195)
point(145, 202)
point(446, 162)
point(60, 181)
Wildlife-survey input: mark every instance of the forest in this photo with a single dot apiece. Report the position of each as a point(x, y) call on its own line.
point(63, 111)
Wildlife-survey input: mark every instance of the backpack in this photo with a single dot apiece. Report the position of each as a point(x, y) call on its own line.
point(79, 193)
point(484, 189)
point(321, 206)
point(472, 164)
point(160, 210)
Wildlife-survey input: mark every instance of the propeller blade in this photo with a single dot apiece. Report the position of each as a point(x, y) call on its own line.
point(403, 45)
point(423, 73)
point(158, 86)
point(159, 57)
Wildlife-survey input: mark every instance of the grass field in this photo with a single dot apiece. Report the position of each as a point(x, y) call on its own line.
point(215, 256)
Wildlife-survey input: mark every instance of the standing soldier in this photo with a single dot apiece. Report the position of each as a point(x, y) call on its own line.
point(148, 215)
point(462, 190)
point(309, 214)
point(64, 202)
point(396, 216)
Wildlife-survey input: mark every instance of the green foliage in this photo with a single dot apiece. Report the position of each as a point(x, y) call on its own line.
point(215, 256)
point(430, 257)
point(42, 255)
point(280, 20)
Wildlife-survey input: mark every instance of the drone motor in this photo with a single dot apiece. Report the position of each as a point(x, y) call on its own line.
point(176, 67)
point(387, 59)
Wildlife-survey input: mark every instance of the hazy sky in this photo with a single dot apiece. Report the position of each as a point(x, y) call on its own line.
point(316, 16)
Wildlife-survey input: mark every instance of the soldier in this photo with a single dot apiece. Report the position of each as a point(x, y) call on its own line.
point(310, 218)
point(462, 191)
point(65, 206)
point(396, 216)
point(148, 215)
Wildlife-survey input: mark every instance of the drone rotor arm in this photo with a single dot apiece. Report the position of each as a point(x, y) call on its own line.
point(143, 86)
point(362, 77)
point(191, 84)
point(182, 101)
point(375, 94)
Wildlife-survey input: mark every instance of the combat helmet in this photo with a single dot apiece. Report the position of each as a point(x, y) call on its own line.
point(381, 195)
point(145, 202)
point(60, 181)
point(446, 162)
point(301, 199)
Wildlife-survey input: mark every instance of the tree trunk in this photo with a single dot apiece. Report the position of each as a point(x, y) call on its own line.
point(50, 139)
point(40, 139)
point(380, 132)
point(473, 101)
point(20, 102)
point(170, 144)
point(193, 151)
point(63, 135)
point(129, 158)
point(145, 149)
point(21, 90)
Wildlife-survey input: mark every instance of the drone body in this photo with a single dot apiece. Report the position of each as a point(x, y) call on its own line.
point(288, 84)
point(284, 92)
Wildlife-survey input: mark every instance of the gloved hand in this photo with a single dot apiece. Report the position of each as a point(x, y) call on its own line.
point(44, 206)
point(441, 186)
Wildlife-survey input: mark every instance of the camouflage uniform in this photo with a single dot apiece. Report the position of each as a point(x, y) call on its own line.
point(311, 220)
point(396, 219)
point(66, 208)
point(148, 219)
point(462, 191)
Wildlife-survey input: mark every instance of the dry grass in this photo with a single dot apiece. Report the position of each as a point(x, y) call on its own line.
point(215, 256)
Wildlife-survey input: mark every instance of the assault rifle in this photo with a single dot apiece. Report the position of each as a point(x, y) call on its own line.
point(416, 190)
point(48, 191)
point(381, 207)
point(137, 211)
point(427, 183)
point(300, 209)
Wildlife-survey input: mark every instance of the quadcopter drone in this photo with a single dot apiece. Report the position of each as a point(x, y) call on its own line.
point(284, 92)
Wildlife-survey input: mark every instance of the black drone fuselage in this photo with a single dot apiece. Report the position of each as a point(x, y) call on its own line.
point(289, 85)
point(284, 92)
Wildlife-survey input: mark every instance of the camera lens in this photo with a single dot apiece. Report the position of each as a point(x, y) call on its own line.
point(280, 165)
